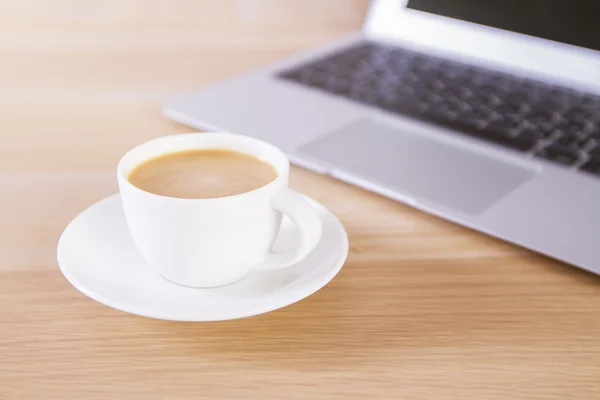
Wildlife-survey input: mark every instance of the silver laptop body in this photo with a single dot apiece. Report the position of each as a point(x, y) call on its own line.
point(533, 196)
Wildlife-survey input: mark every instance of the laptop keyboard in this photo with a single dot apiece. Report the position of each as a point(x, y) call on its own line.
point(543, 120)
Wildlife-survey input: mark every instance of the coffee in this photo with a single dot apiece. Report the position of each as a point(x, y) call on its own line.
point(202, 174)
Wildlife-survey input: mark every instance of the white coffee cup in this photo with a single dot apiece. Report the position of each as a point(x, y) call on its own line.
point(217, 241)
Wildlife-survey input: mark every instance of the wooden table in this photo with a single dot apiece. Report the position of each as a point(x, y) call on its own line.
point(423, 309)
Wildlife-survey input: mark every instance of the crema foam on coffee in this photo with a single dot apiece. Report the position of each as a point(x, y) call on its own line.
point(202, 174)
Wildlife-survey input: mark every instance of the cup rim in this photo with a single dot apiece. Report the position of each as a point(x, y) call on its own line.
point(123, 179)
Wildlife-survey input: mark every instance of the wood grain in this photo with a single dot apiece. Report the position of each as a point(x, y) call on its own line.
point(423, 309)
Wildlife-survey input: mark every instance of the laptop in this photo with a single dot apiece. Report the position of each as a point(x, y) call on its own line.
point(483, 113)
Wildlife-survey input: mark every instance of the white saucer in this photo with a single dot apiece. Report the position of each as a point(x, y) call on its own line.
point(98, 257)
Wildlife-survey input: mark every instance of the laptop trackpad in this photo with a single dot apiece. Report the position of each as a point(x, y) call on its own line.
point(419, 166)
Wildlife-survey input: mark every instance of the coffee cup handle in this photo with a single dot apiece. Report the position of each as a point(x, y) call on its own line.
point(307, 221)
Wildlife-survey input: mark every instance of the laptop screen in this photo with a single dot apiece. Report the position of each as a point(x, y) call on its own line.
point(575, 22)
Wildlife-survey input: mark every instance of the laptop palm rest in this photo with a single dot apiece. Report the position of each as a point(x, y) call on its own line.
point(418, 166)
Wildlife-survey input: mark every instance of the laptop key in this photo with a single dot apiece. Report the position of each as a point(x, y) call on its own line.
point(592, 166)
point(568, 142)
point(339, 86)
point(522, 143)
point(560, 154)
point(595, 151)
point(506, 122)
point(501, 137)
